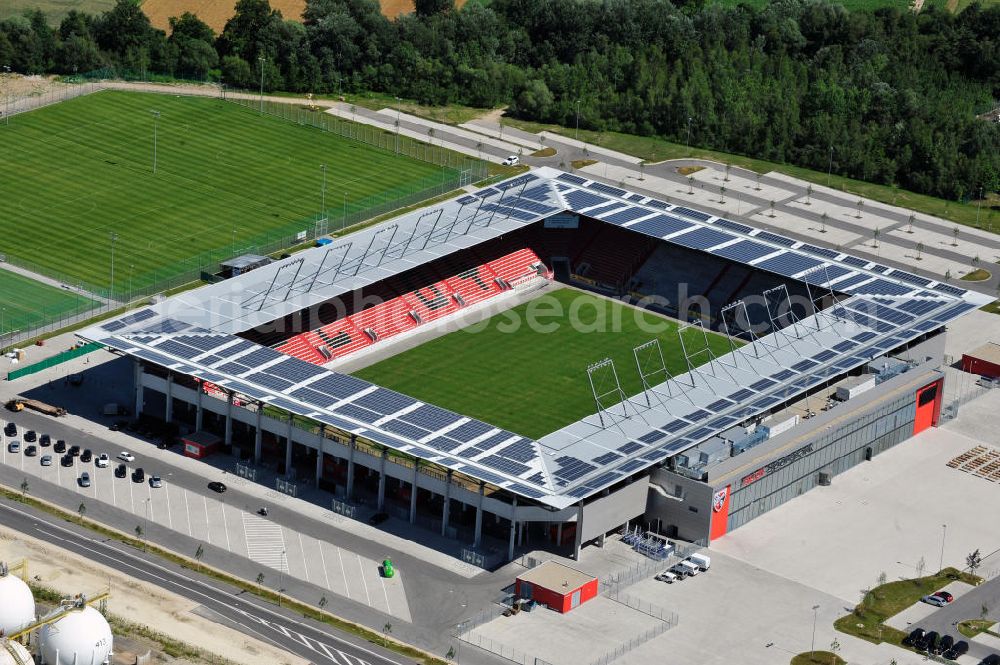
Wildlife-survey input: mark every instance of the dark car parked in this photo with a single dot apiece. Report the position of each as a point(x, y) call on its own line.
point(10, 429)
point(914, 638)
point(121, 471)
point(87, 455)
point(44, 440)
point(959, 649)
point(60, 446)
point(992, 659)
point(216, 486)
point(30, 436)
point(74, 451)
point(30, 451)
point(947, 641)
point(930, 642)
point(67, 460)
point(138, 475)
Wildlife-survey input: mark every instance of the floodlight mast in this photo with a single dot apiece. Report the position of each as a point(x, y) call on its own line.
point(156, 117)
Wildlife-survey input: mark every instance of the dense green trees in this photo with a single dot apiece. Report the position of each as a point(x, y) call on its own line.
point(886, 96)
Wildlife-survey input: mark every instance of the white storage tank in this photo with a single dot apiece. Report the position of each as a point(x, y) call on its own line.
point(12, 653)
point(82, 637)
point(17, 605)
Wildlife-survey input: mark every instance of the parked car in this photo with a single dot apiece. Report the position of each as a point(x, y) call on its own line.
point(945, 596)
point(992, 659)
point(511, 160)
point(378, 518)
point(126, 456)
point(84, 479)
point(935, 600)
point(13, 447)
point(155, 481)
point(915, 637)
point(103, 461)
point(668, 577)
point(30, 451)
point(10, 429)
point(930, 642)
point(703, 561)
point(388, 570)
point(138, 475)
point(74, 451)
point(121, 471)
point(66, 460)
point(957, 650)
point(30, 436)
point(46, 460)
point(45, 440)
point(216, 486)
point(86, 456)
point(945, 643)
point(60, 446)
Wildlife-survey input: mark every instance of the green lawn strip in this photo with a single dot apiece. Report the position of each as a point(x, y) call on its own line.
point(654, 150)
point(973, 627)
point(867, 621)
point(818, 658)
point(992, 308)
point(977, 275)
point(227, 179)
point(534, 381)
point(27, 303)
point(306, 611)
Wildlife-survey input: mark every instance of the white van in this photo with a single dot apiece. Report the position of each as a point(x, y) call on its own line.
point(703, 561)
point(688, 567)
point(668, 577)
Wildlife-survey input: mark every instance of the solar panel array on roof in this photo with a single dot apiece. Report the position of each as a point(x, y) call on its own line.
point(597, 212)
point(571, 468)
point(575, 179)
point(775, 238)
point(339, 386)
point(579, 199)
point(702, 238)
point(819, 251)
point(911, 279)
point(951, 290)
point(661, 225)
point(607, 189)
point(654, 203)
point(825, 273)
point(635, 197)
point(849, 282)
point(788, 264)
point(855, 261)
point(883, 286)
point(733, 226)
point(626, 215)
point(744, 251)
point(693, 214)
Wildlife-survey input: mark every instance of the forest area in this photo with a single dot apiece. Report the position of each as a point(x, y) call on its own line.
point(888, 96)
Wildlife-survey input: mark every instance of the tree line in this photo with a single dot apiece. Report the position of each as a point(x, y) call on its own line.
point(886, 96)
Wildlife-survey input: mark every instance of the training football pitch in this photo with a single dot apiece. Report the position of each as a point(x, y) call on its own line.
point(25, 303)
point(532, 379)
point(78, 174)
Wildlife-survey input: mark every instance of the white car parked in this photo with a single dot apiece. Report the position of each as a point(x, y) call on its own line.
point(103, 461)
point(126, 456)
point(512, 160)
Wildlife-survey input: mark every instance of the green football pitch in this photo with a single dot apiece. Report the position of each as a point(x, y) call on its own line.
point(25, 303)
point(532, 379)
point(227, 179)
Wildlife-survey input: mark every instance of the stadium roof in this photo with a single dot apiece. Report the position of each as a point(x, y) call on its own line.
point(195, 333)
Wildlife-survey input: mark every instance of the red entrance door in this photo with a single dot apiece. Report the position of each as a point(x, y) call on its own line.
point(928, 407)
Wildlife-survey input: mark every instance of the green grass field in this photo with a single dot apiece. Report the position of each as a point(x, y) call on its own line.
point(25, 303)
point(533, 380)
point(226, 180)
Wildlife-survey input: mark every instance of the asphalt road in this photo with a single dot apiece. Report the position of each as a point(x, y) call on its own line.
point(226, 604)
point(967, 606)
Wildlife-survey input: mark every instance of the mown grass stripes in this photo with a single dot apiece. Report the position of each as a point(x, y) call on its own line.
point(26, 303)
point(226, 180)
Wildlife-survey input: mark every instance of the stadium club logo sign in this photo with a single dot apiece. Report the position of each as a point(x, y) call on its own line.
point(776, 464)
point(719, 500)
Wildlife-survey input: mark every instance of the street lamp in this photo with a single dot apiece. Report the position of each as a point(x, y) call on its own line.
point(812, 646)
point(458, 634)
point(322, 207)
point(343, 223)
point(687, 146)
point(944, 532)
point(131, 267)
point(577, 136)
point(262, 60)
point(145, 529)
point(156, 117)
point(281, 575)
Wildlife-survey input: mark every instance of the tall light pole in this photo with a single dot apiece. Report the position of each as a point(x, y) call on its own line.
point(281, 575)
point(343, 223)
point(687, 146)
point(322, 207)
point(111, 285)
point(131, 267)
point(397, 125)
point(145, 529)
point(829, 170)
point(812, 645)
point(262, 60)
point(944, 532)
point(156, 117)
point(577, 135)
point(979, 206)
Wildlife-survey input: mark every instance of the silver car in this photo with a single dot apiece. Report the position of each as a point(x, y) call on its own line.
point(155, 481)
point(84, 479)
point(13, 447)
point(46, 460)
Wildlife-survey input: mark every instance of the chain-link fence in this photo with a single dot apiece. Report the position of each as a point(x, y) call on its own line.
point(962, 387)
point(45, 95)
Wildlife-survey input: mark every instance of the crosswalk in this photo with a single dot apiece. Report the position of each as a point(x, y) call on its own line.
point(265, 542)
point(329, 653)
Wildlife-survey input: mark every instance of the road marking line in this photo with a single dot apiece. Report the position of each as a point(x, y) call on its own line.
point(343, 572)
point(114, 493)
point(385, 593)
point(363, 579)
point(149, 502)
point(131, 496)
point(305, 561)
point(187, 511)
point(170, 518)
point(322, 560)
point(225, 526)
point(208, 527)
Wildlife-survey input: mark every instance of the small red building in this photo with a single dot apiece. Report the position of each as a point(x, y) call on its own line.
point(559, 587)
point(984, 361)
point(200, 444)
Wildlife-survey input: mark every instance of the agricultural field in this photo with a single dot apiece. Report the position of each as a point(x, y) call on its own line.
point(26, 303)
point(532, 380)
point(81, 185)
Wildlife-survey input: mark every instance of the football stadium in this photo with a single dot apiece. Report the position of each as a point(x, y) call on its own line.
point(547, 361)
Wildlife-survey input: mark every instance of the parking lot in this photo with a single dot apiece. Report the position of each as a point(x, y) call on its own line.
point(210, 519)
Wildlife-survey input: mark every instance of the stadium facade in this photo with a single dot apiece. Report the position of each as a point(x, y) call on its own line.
point(838, 359)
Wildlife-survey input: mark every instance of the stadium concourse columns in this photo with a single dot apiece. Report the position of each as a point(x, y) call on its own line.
point(479, 515)
point(258, 436)
point(413, 491)
point(513, 529)
point(229, 418)
point(288, 447)
point(350, 466)
point(170, 397)
point(320, 453)
point(381, 479)
point(138, 388)
point(199, 414)
point(445, 516)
